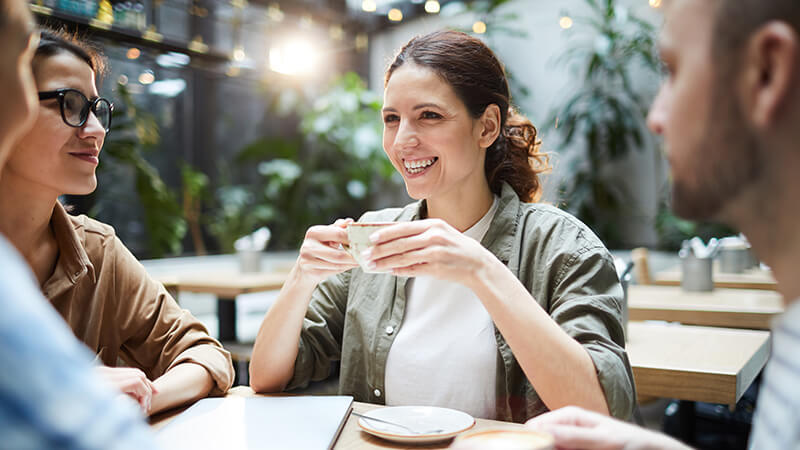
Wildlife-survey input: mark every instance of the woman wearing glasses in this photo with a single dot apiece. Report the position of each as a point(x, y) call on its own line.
point(94, 282)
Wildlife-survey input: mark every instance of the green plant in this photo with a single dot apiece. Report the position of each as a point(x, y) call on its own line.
point(133, 131)
point(195, 190)
point(333, 169)
point(673, 230)
point(604, 119)
point(239, 212)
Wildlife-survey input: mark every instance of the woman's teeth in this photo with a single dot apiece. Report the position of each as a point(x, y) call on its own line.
point(418, 165)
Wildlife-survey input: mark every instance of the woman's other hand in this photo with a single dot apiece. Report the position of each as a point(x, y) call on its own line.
point(428, 247)
point(322, 253)
point(130, 381)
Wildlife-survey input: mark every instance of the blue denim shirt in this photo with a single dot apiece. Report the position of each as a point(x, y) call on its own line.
point(49, 397)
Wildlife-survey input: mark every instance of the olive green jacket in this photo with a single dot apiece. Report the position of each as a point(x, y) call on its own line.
point(353, 317)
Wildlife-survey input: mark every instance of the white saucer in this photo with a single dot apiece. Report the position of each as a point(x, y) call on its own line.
point(418, 418)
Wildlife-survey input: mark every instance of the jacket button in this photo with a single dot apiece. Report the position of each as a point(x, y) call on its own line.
point(389, 329)
point(377, 392)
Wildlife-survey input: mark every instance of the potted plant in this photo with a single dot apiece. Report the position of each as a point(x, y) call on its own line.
point(604, 118)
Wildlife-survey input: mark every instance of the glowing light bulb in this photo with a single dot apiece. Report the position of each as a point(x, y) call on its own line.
point(293, 58)
point(147, 77)
point(274, 13)
point(395, 15)
point(368, 6)
point(432, 7)
point(238, 53)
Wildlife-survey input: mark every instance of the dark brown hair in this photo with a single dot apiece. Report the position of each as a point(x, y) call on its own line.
point(3, 12)
point(479, 80)
point(736, 20)
point(55, 41)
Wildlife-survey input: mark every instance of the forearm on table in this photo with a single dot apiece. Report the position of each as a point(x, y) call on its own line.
point(275, 349)
point(550, 358)
point(185, 383)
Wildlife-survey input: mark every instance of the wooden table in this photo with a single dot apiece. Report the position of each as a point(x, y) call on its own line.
point(706, 364)
point(673, 361)
point(733, 308)
point(690, 363)
point(750, 279)
point(351, 437)
point(226, 285)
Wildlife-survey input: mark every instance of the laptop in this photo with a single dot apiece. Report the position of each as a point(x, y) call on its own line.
point(292, 422)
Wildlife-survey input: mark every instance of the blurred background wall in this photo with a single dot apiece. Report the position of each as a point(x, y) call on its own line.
point(235, 114)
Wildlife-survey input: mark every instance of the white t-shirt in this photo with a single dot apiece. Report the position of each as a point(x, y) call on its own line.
point(445, 352)
point(776, 425)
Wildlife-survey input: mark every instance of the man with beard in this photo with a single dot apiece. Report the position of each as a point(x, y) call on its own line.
point(729, 112)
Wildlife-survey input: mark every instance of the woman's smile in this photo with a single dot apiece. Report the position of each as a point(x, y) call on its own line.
point(417, 167)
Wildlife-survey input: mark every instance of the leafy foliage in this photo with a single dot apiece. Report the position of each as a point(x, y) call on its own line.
point(672, 230)
point(605, 117)
point(195, 190)
point(333, 170)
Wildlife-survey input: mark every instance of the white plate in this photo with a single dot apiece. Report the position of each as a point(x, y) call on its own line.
point(419, 418)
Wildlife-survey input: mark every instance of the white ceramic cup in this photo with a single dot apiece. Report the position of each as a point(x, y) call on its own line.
point(504, 439)
point(358, 234)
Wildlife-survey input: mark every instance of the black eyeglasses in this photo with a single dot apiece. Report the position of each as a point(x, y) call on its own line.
point(75, 107)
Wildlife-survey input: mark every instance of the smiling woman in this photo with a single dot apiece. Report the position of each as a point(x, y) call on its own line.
point(92, 280)
point(461, 90)
point(487, 303)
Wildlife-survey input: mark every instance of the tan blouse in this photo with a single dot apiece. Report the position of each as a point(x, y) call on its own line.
point(119, 311)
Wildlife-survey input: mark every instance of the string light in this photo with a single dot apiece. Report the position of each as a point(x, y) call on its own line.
point(368, 6)
point(655, 3)
point(147, 77)
point(479, 27)
point(565, 22)
point(274, 13)
point(432, 6)
point(336, 32)
point(238, 53)
point(395, 15)
point(133, 53)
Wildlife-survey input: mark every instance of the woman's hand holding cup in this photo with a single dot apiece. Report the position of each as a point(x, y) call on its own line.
point(323, 252)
